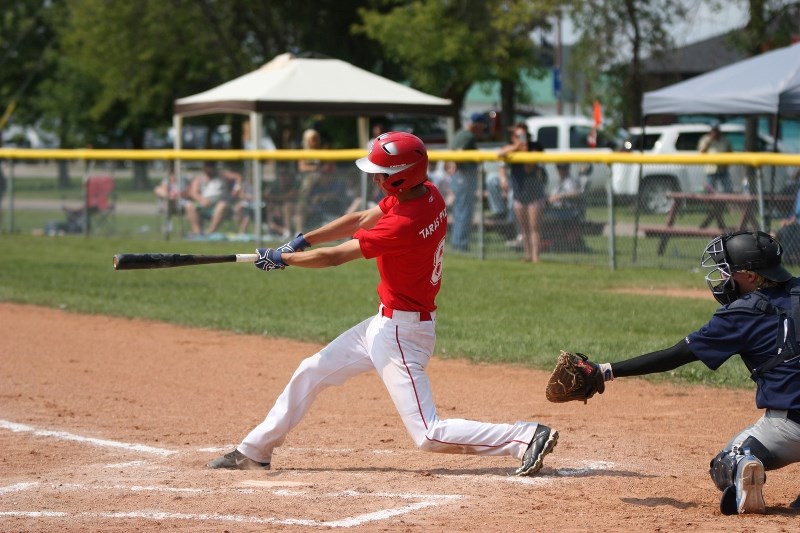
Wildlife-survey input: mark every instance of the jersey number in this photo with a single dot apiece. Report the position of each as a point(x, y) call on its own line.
point(436, 275)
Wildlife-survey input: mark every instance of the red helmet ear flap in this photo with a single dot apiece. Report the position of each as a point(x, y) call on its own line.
point(400, 155)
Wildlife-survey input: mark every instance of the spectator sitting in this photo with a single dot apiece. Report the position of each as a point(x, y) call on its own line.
point(374, 196)
point(442, 179)
point(501, 200)
point(565, 201)
point(241, 198)
point(208, 198)
point(327, 200)
point(281, 202)
point(310, 171)
point(172, 199)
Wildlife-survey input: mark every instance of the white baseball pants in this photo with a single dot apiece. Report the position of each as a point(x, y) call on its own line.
point(399, 348)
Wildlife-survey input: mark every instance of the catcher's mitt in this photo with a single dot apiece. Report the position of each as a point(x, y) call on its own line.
point(574, 378)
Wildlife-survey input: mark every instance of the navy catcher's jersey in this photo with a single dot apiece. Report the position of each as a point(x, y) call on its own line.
point(753, 334)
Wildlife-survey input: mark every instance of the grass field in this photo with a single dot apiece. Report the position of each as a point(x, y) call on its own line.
point(489, 311)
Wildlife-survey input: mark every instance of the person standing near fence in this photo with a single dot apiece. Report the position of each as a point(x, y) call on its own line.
point(529, 186)
point(464, 182)
point(717, 176)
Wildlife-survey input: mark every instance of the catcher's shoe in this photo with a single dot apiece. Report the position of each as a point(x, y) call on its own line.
point(542, 443)
point(236, 460)
point(750, 478)
point(746, 495)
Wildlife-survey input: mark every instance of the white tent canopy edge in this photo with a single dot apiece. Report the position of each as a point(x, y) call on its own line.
point(307, 86)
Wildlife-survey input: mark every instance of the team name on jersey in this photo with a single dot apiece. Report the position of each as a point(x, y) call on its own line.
point(428, 230)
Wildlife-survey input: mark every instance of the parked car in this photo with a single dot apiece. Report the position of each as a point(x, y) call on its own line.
point(656, 180)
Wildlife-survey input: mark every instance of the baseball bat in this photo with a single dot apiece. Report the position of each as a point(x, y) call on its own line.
point(144, 261)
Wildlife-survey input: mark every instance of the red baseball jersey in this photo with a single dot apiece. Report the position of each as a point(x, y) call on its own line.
point(408, 244)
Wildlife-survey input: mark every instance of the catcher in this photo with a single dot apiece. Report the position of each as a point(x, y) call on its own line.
point(759, 321)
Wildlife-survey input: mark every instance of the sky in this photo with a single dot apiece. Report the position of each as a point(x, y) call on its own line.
point(701, 23)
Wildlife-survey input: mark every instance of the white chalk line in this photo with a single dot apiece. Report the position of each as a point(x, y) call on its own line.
point(427, 500)
point(18, 487)
point(161, 515)
point(63, 435)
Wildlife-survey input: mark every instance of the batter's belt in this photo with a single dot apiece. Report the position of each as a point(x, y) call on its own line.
point(424, 316)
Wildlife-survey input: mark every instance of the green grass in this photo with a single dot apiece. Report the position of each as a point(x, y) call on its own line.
point(496, 311)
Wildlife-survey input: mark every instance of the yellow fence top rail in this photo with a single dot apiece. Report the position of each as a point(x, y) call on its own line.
point(754, 159)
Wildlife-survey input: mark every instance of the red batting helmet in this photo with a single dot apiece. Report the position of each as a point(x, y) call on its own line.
point(400, 155)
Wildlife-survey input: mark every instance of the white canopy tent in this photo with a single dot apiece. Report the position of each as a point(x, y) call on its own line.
point(307, 86)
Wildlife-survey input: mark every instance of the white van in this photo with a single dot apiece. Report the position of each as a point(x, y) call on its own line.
point(656, 180)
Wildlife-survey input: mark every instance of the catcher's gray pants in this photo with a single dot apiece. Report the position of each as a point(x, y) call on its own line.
point(778, 434)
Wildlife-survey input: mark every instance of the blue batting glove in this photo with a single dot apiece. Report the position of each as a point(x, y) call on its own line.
point(269, 259)
point(298, 244)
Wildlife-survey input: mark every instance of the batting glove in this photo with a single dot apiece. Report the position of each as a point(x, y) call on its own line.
point(269, 259)
point(298, 244)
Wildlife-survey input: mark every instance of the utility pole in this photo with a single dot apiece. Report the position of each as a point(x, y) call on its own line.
point(557, 66)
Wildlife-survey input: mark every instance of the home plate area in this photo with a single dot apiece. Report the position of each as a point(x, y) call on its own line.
point(113, 485)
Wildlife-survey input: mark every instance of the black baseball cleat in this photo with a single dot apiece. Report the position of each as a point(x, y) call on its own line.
point(542, 443)
point(795, 504)
point(236, 460)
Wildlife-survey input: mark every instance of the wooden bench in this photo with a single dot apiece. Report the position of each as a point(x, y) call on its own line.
point(716, 206)
point(665, 233)
point(556, 234)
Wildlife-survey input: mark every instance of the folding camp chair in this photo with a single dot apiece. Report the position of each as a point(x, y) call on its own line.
point(98, 208)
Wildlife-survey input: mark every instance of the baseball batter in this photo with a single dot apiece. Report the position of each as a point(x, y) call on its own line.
point(405, 233)
point(759, 321)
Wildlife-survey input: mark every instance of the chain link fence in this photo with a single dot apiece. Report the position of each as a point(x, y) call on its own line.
point(578, 218)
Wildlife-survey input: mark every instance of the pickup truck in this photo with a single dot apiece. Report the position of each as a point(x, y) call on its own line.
point(571, 133)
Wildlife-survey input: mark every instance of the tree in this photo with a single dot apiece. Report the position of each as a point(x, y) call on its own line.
point(133, 57)
point(771, 24)
point(444, 47)
point(25, 40)
point(614, 37)
point(145, 54)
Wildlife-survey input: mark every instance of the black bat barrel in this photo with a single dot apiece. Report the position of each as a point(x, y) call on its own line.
point(146, 261)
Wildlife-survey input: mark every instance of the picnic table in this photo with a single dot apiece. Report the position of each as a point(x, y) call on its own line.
point(716, 205)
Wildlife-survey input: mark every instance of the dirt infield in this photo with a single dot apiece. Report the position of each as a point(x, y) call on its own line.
point(106, 425)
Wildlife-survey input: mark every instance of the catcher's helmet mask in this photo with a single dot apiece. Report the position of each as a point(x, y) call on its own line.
point(401, 157)
point(754, 251)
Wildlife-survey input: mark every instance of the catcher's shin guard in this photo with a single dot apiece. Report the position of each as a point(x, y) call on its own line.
point(723, 466)
point(722, 469)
